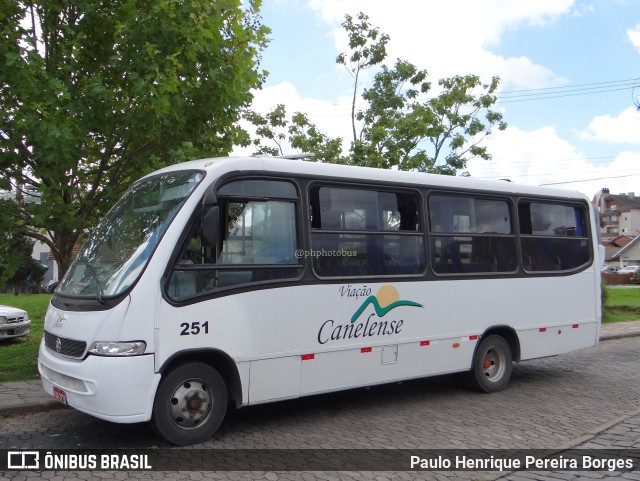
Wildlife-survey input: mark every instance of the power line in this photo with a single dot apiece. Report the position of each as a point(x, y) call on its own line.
point(562, 95)
point(589, 180)
point(630, 173)
point(591, 160)
point(559, 169)
point(525, 173)
point(569, 87)
point(526, 95)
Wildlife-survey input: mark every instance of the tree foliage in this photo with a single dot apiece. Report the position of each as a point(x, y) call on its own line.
point(18, 270)
point(275, 132)
point(271, 127)
point(368, 48)
point(94, 94)
point(407, 124)
point(406, 128)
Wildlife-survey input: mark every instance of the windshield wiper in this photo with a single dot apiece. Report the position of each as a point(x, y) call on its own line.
point(94, 274)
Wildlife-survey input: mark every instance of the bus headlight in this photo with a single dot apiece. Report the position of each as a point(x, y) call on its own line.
point(117, 348)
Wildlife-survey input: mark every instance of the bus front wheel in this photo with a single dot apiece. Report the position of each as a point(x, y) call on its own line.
point(492, 365)
point(190, 404)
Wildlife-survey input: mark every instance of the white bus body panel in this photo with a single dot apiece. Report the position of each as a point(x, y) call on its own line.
point(118, 389)
point(280, 333)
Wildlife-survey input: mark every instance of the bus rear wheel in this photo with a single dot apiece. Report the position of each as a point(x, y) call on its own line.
point(492, 365)
point(190, 404)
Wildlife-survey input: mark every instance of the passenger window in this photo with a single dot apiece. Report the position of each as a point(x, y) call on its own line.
point(471, 235)
point(362, 232)
point(257, 241)
point(553, 236)
point(259, 232)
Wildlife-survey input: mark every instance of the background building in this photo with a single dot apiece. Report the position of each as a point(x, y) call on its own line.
point(41, 251)
point(619, 226)
point(619, 213)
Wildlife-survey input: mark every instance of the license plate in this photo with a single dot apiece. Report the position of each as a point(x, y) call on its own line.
point(60, 395)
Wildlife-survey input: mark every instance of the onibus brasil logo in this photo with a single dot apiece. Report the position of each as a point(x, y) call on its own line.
point(385, 300)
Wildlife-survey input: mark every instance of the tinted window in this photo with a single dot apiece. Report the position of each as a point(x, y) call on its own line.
point(553, 236)
point(256, 242)
point(259, 188)
point(259, 232)
point(471, 235)
point(466, 214)
point(361, 232)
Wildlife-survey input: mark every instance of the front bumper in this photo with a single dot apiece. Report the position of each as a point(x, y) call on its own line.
point(117, 389)
point(15, 329)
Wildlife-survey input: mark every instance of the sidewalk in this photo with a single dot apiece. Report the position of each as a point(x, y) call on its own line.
point(29, 396)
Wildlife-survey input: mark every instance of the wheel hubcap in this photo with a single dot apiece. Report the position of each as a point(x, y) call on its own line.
point(191, 404)
point(493, 364)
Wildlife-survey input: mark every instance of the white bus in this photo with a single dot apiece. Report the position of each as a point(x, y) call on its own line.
point(233, 282)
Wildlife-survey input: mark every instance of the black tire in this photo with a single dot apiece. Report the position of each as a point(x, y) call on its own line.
point(190, 404)
point(492, 366)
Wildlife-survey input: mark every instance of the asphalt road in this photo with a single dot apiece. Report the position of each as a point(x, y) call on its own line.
point(589, 398)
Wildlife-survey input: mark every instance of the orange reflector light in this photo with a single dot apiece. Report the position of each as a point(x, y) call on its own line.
point(425, 343)
point(365, 349)
point(456, 345)
point(308, 357)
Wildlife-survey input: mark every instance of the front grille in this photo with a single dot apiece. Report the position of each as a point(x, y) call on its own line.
point(14, 320)
point(64, 346)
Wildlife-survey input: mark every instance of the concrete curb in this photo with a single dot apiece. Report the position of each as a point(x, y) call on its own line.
point(24, 396)
point(596, 430)
point(30, 408)
point(610, 337)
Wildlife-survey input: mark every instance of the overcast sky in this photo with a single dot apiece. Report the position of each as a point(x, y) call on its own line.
point(568, 71)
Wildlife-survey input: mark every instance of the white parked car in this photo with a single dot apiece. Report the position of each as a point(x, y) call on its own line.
point(13, 322)
point(629, 270)
point(609, 269)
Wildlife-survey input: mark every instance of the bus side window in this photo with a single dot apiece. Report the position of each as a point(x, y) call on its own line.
point(471, 235)
point(258, 240)
point(553, 236)
point(259, 232)
point(365, 232)
point(183, 282)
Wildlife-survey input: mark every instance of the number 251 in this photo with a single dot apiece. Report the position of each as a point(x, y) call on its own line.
point(194, 328)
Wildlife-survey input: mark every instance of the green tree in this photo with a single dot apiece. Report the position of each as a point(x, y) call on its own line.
point(94, 94)
point(368, 47)
point(18, 270)
point(275, 132)
point(270, 127)
point(406, 128)
point(404, 124)
point(306, 137)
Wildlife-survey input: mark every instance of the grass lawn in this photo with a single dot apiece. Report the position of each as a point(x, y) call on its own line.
point(622, 305)
point(18, 357)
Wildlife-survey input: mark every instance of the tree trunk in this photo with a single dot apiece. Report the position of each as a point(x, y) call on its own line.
point(353, 105)
point(64, 246)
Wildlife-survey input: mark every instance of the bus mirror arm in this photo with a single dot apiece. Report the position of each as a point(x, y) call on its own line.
point(210, 222)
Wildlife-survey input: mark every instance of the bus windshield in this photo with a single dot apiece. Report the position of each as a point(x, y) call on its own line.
point(116, 252)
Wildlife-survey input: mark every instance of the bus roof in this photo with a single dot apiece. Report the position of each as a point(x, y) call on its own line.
point(219, 166)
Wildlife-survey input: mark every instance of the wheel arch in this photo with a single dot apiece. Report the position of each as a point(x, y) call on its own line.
point(215, 358)
point(509, 334)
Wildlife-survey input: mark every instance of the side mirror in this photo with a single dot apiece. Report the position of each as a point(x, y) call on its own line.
point(209, 225)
